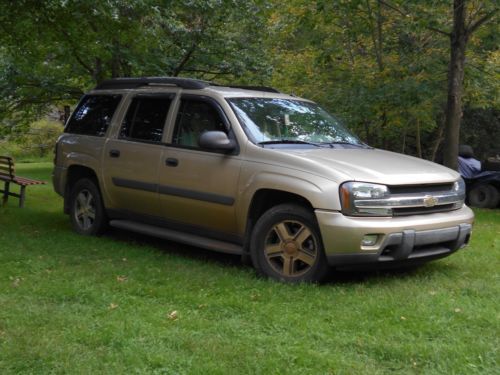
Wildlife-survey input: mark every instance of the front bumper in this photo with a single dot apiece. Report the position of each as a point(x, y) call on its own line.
point(400, 240)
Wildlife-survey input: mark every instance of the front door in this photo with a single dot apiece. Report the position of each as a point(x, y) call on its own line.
point(198, 187)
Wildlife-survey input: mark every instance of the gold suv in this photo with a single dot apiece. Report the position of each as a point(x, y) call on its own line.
point(251, 171)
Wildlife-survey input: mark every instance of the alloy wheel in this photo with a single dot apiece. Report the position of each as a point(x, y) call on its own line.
point(291, 248)
point(85, 209)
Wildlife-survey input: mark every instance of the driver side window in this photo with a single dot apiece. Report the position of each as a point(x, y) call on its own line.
point(194, 118)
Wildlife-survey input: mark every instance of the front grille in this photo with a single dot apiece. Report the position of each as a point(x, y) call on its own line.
point(406, 211)
point(405, 200)
point(415, 189)
point(426, 189)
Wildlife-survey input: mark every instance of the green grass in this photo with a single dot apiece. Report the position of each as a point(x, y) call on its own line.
point(73, 304)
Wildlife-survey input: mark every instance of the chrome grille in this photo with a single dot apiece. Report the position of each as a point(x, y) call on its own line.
point(405, 200)
point(421, 210)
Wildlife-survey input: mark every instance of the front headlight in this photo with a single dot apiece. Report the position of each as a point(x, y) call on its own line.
point(459, 189)
point(352, 192)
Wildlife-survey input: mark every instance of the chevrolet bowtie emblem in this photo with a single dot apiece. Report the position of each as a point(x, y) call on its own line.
point(430, 201)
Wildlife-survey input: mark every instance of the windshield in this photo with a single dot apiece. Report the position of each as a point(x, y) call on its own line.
point(268, 120)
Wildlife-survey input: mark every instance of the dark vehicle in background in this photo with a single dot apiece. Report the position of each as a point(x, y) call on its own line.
point(482, 180)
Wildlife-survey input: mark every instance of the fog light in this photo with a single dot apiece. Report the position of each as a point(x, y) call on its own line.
point(369, 240)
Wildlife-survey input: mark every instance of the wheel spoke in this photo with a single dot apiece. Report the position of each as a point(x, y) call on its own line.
point(91, 215)
point(273, 250)
point(79, 212)
point(81, 200)
point(306, 257)
point(89, 202)
point(288, 266)
point(282, 231)
point(303, 234)
point(86, 222)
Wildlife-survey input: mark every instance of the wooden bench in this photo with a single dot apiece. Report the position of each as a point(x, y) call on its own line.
point(8, 176)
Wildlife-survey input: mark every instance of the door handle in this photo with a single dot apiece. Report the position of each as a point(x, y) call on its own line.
point(172, 162)
point(114, 153)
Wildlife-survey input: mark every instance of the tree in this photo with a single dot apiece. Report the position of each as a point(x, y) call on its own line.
point(52, 51)
point(364, 63)
point(383, 65)
point(459, 37)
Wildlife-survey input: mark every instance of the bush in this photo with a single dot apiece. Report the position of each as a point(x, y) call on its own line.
point(10, 149)
point(40, 140)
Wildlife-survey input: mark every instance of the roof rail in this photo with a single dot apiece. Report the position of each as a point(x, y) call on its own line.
point(185, 83)
point(132, 83)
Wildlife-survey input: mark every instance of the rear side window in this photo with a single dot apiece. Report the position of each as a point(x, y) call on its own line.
point(93, 115)
point(145, 118)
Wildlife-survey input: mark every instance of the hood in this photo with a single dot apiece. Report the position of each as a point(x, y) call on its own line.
point(373, 165)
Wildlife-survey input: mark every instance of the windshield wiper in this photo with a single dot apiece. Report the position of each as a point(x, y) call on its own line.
point(332, 144)
point(288, 141)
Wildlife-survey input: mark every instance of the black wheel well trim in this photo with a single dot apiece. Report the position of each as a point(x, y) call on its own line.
point(75, 173)
point(263, 200)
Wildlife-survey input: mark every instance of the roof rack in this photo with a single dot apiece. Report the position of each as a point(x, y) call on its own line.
point(132, 83)
point(185, 83)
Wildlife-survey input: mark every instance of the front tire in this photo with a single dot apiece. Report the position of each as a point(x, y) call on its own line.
point(286, 245)
point(87, 213)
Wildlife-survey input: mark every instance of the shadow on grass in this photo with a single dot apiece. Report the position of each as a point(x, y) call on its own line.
point(175, 248)
point(344, 276)
point(36, 220)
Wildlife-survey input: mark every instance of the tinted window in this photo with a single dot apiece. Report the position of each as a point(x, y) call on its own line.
point(194, 118)
point(145, 118)
point(93, 115)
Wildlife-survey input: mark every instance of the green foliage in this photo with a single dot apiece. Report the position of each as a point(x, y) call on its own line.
point(41, 137)
point(37, 142)
point(52, 51)
point(380, 65)
point(85, 305)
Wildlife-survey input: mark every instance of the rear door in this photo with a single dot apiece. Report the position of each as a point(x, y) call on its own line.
point(131, 160)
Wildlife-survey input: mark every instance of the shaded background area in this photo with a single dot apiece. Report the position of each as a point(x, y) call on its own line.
point(380, 65)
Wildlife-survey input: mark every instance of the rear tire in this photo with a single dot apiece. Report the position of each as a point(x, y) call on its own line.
point(286, 245)
point(87, 213)
point(484, 196)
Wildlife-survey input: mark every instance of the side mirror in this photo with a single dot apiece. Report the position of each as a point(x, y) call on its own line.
point(216, 140)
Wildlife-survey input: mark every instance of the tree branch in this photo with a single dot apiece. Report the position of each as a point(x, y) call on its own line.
point(473, 12)
point(394, 8)
point(72, 47)
point(480, 21)
point(438, 30)
point(204, 71)
point(184, 60)
point(406, 14)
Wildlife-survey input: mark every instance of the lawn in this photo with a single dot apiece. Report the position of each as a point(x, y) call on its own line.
point(125, 303)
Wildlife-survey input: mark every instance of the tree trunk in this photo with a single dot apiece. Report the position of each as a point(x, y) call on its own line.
point(439, 137)
point(403, 147)
point(417, 140)
point(455, 85)
point(67, 113)
point(99, 74)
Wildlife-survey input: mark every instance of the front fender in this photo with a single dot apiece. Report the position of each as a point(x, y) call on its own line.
point(320, 192)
